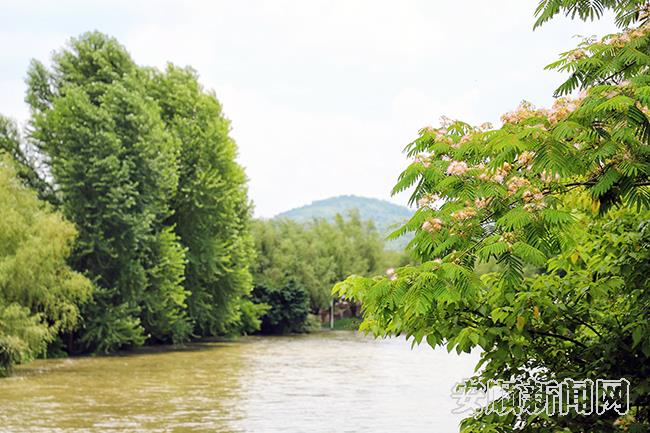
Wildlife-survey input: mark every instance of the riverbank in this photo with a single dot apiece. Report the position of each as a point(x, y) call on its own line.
point(195, 344)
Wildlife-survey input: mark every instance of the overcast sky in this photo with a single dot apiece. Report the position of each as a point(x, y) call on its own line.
point(322, 95)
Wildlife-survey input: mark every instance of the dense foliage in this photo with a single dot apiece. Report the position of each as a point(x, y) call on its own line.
point(564, 190)
point(114, 168)
point(141, 162)
point(316, 255)
point(25, 160)
point(39, 293)
point(287, 308)
point(211, 212)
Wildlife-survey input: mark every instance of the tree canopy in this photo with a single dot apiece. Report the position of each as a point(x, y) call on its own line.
point(317, 254)
point(297, 265)
point(114, 167)
point(211, 211)
point(141, 162)
point(564, 190)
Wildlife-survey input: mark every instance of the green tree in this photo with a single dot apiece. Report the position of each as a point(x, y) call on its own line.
point(317, 254)
point(26, 159)
point(284, 250)
point(286, 308)
point(114, 168)
point(211, 211)
point(344, 247)
point(39, 294)
point(564, 190)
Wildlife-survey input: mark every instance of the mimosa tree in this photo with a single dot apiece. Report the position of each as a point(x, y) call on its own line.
point(561, 192)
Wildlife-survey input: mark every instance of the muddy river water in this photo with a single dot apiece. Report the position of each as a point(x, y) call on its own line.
point(325, 382)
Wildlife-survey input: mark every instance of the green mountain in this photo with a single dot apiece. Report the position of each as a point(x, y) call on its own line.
point(386, 216)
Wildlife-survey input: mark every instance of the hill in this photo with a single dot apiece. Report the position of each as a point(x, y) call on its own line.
point(386, 216)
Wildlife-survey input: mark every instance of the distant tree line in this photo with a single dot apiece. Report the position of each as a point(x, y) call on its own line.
point(297, 265)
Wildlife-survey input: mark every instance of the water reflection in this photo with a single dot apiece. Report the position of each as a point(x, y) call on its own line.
point(327, 382)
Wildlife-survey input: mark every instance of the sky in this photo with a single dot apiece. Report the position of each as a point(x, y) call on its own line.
point(323, 95)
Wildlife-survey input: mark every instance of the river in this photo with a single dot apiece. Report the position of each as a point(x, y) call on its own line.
point(325, 382)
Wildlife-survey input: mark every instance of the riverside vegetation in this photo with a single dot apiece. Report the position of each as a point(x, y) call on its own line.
point(140, 163)
point(563, 190)
point(125, 218)
point(127, 221)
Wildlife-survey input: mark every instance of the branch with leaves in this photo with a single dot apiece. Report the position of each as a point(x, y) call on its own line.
point(533, 236)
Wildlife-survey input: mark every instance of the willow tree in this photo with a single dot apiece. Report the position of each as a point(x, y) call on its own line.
point(564, 190)
point(211, 211)
point(114, 168)
point(39, 293)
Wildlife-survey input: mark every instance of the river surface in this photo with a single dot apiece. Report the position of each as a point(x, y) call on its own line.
point(326, 382)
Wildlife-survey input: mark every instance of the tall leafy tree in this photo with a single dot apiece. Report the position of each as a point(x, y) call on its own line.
point(114, 169)
point(211, 211)
point(565, 190)
point(39, 293)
